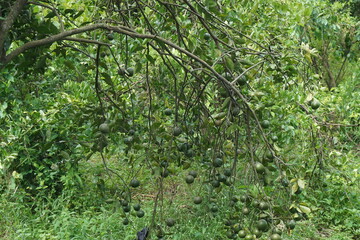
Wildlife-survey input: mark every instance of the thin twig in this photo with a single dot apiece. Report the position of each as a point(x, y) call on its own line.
point(54, 10)
point(84, 40)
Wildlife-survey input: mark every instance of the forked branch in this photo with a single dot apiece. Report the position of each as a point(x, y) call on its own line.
point(8, 23)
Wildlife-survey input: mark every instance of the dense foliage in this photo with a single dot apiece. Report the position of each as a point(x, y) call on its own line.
point(174, 114)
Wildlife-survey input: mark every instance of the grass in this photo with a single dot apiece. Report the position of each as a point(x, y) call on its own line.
point(88, 213)
point(54, 220)
point(106, 223)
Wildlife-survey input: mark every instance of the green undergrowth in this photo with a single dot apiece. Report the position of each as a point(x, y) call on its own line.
point(18, 222)
point(94, 212)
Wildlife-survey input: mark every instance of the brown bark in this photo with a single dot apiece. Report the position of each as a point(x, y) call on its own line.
point(52, 39)
point(8, 23)
point(330, 80)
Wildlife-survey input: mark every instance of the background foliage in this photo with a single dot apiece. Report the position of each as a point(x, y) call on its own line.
point(259, 99)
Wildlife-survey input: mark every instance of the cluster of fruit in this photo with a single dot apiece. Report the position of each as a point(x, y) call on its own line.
point(127, 209)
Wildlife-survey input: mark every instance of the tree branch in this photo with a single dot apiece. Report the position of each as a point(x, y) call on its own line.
point(79, 50)
point(50, 40)
point(54, 10)
point(8, 22)
point(131, 33)
point(84, 40)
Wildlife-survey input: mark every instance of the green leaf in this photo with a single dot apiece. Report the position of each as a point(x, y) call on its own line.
point(294, 188)
point(71, 11)
point(229, 63)
point(138, 66)
point(246, 62)
point(3, 107)
point(219, 115)
point(301, 183)
point(150, 58)
point(80, 12)
point(307, 11)
point(50, 15)
point(107, 79)
point(304, 209)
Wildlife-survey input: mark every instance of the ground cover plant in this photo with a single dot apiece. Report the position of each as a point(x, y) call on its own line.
point(181, 119)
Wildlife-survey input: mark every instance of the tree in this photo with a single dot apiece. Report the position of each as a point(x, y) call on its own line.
point(213, 83)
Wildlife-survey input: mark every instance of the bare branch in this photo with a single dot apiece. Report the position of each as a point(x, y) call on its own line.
point(243, 73)
point(79, 50)
point(83, 40)
point(50, 40)
point(203, 22)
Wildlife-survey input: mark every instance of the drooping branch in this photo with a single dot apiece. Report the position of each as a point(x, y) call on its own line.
point(203, 22)
point(8, 23)
point(50, 40)
point(131, 33)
